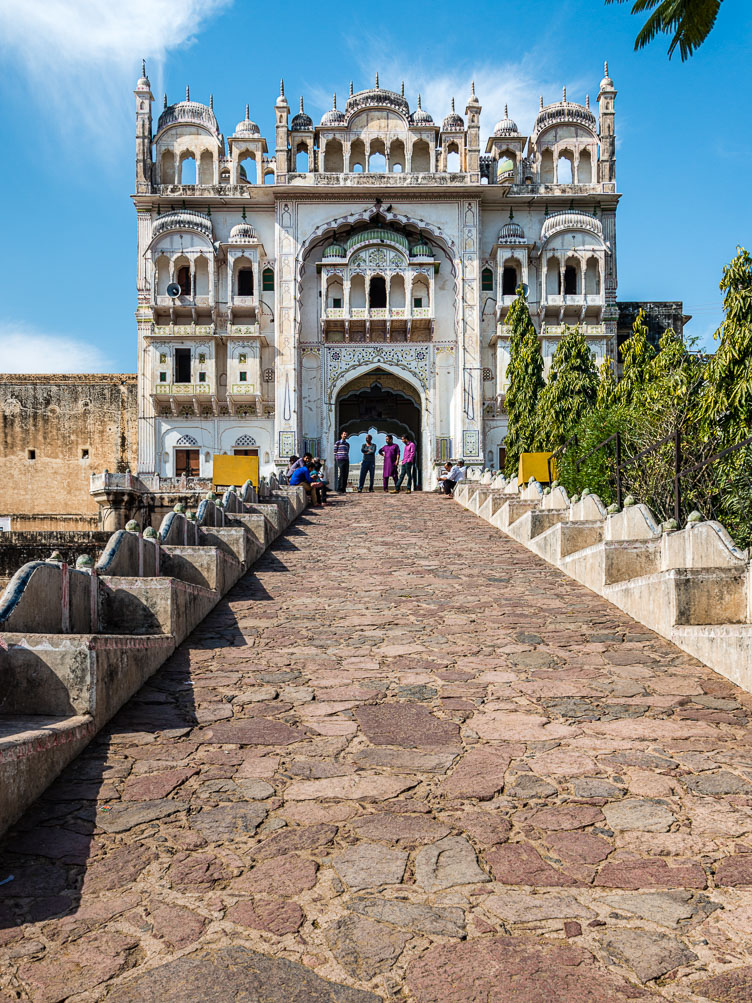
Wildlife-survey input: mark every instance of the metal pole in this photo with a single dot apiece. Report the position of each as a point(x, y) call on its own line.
point(677, 476)
point(618, 470)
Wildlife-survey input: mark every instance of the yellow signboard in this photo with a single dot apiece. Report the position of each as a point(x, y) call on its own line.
point(229, 471)
point(534, 465)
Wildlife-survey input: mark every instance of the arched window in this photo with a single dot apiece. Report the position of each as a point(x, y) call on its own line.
point(377, 292)
point(245, 282)
point(564, 172)
point(553, 277)
point(571, 280)
point(188, 169)
point(509, 281)
point(334, 159)
point(357, 156)
point(163, 275)
point(397, 292)
point(302, 165)
point(267, 280)
point(420, 294)
point(592, 277)
point(397, 156)
point(421, 158)
point(453, 159)
point(377, 157)
point(184, 280)
point(334, 294)
point(247, 170)
point(269, 178)
point(486, 280)
point(357, 292)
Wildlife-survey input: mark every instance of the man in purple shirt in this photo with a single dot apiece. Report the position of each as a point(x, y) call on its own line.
point(408, 465)
point(391, 453)
point(342, 461)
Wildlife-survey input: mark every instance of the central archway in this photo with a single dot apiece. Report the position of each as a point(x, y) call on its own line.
point(384, 401)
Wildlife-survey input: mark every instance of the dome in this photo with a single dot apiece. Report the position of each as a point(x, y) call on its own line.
point(301, 121)
point(607, 83)
point(564, 112)
point(242, 233)
point(188, 113)
point(334, 116)
point(421, 250)
point(246, 127)
point(420, 116)
point(143, 83)
point(377, 97)
point(506, 127)
point(183, 219)
point(511, 233)
point(453, 122)
point(335, 250)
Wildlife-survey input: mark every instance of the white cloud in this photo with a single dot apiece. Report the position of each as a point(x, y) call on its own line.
point(82, 57)
point(25, 350)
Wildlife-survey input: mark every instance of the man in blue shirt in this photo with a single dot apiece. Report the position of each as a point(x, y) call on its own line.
point(302, 476)
point(342, 461)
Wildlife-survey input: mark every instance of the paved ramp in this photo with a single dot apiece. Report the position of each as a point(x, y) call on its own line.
point(403, 760)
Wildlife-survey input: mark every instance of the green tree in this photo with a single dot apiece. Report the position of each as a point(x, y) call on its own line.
point(606, 394)
point(726, 405)
point(637, 356)
point(571, 389)
point(688, 22)
point(525, 382)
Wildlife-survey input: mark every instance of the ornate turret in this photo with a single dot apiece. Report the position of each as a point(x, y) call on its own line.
point(334, 116)
point(453, 122)
point(607, 131)
point(282, 114)
point(144, 98)
point(301, 122)
point(420, 116)
point(472, 112)
point(247, 127)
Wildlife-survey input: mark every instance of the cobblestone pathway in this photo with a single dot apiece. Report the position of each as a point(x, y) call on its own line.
point(405, 760)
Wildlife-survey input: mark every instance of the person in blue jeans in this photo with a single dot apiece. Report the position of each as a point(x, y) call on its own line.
point(408, 465)
point(367, 463)
point(342, 461)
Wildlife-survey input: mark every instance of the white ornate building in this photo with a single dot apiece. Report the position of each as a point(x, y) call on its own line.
point(360, 273)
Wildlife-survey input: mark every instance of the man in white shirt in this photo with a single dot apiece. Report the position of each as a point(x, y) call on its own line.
point(455, 475)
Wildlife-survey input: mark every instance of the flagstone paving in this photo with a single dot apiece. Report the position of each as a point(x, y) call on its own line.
point(403, 760)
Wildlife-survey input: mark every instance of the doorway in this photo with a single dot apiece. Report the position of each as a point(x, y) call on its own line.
point(187, 462)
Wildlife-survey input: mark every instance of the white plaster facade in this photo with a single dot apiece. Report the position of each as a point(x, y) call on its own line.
point(377, 242)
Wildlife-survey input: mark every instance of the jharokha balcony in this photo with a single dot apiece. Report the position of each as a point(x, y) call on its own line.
point(378, 323)
point(185, 398)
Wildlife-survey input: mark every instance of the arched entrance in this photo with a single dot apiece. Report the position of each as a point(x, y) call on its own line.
point(381, 400)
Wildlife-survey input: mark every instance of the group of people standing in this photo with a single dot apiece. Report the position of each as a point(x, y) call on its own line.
point(308, 471)
point(391, 453)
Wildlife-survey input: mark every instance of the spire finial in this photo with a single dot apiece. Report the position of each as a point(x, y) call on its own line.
point(473, 88)
point(419, 100)
point(506, 112)
point(301, 102)
point(511, 213)
point(187, 93)
point(143, 67)
point(334, 100)
point(605, 67)
point(587, 100)
point(211, 101)
point(282, 87)
point(402, 89)
point(165, 100)
point(377, 79)
point(351, 89)
point(564, 95)
point(243, 214)
point(247, 112)
point(452, 104)
point(541, 102)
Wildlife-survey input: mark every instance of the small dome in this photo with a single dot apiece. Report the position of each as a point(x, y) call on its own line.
point(242, 233)
point(188, 113)
point(506, 127)
point(607, 83)
point(143, 83)
point(334, 116)
point(421, 250)
point(246, 127)
point(453, 122)
point(301, 121)
point(335, 250)
point(473, 99)
point(420, 116)
point(511, 233)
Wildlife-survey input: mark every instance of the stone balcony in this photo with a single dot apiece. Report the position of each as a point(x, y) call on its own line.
point(571, 307)
point(185, 398)
point(377, 323)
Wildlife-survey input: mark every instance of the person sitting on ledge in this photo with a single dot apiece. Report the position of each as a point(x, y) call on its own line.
point(455, 475)
point(444, 473)
point(318, 476)
point(302, 477)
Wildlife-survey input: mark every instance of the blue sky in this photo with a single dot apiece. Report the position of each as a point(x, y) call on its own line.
point(68, 258)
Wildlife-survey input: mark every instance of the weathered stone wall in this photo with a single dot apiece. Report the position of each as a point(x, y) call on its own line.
point(659, 316)
point(75, 425)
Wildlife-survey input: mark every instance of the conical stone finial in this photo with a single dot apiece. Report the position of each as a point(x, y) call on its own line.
point(334, 101)
point(143, 67)
point(605, 67)
point(187, 93)
point(541, 102)
point(351, 88)
point(564, 95)
point(452, 104)
point(402, 89)
point(282, 87)
point(211, 101)
point(247, 112)
point(419, 100)
point(587, 100)
point(473, 88)
point(377, 80)
point(165, 100)
point(301, 102)
point(506, 112)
